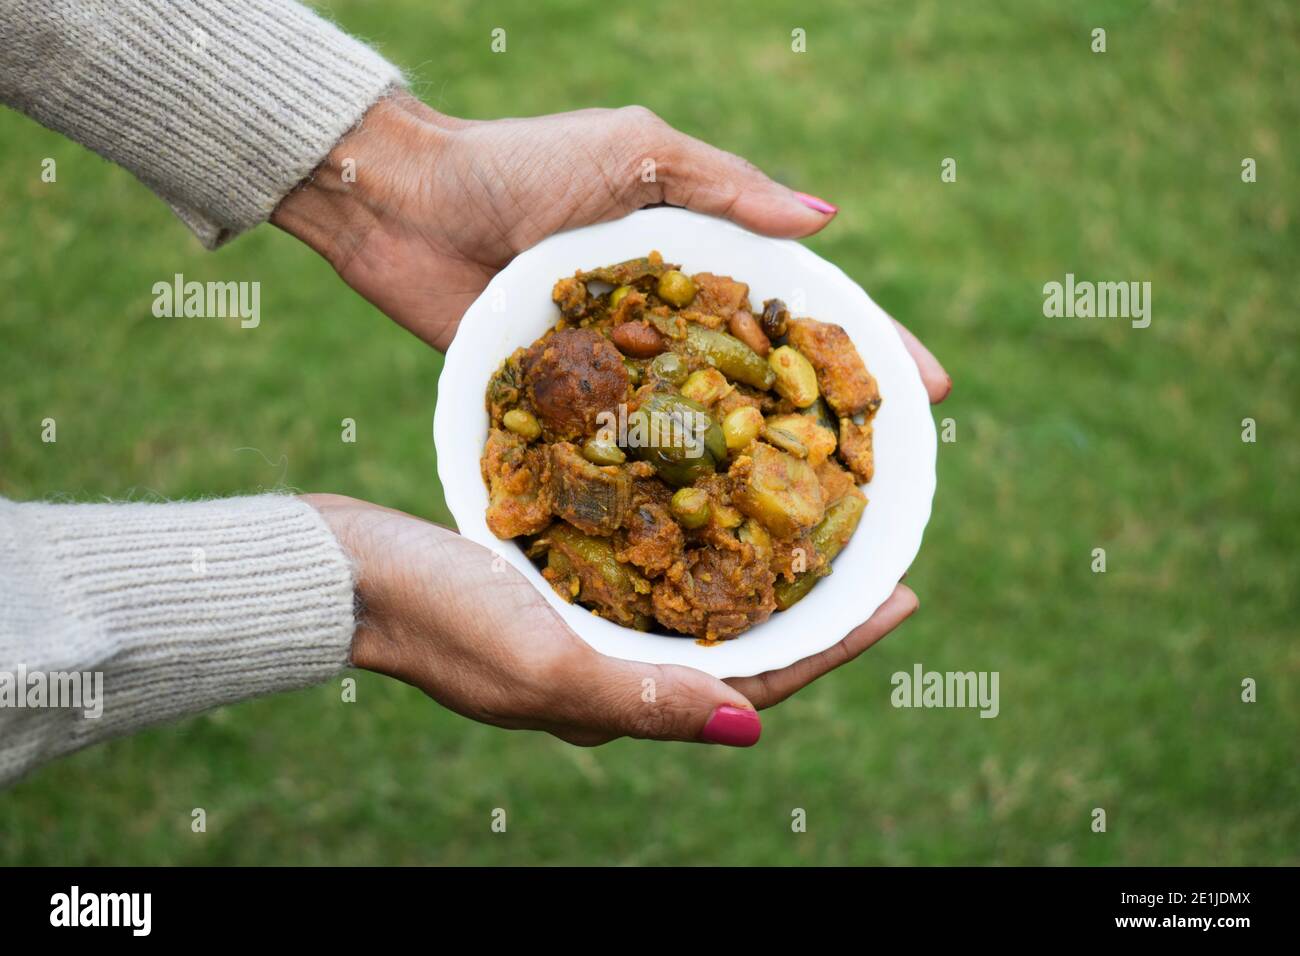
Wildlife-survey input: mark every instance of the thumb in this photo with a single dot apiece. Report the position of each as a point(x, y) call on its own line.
point(662, 702)
point(706, 179)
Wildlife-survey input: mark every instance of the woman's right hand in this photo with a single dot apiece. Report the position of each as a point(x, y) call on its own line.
point(447, 616)
point(438, 205)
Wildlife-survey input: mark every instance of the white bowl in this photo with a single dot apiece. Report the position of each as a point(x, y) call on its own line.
point(516, 309)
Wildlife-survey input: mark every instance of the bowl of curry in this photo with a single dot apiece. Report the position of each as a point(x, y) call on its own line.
point(703, 446)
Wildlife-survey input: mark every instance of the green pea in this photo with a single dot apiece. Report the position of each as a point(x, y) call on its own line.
point(690, 506)
point(617, 295)
point(522, 423)
point(669, 367)
point(676, 288)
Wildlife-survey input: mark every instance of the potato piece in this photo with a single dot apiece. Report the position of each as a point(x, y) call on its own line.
point(517, 503)
point(818, 441)
point(835, 481)
point(591, 498)
point(843, 378)
point(778, 490)
point(719, 295)
point(570, 378)
point(855, 448)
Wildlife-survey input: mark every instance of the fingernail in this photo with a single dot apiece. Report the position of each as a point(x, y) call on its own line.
point(733, 727)
point(812, 202)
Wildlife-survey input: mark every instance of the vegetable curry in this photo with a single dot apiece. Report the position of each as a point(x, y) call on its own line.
point(674, 459)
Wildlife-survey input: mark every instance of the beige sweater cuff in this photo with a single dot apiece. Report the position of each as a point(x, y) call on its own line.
point(220, 107)
point(181, 607)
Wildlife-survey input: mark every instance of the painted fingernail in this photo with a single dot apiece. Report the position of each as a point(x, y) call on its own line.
point(813, 202)
point(733, 727)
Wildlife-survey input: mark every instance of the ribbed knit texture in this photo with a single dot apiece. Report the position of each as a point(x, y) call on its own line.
point(220, 107)
point(182, 607)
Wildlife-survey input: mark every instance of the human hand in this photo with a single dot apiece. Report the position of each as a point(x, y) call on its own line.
point(439, 205)
point(443, 614)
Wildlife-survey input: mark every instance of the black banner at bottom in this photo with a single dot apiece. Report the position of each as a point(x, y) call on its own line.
point(334, 905)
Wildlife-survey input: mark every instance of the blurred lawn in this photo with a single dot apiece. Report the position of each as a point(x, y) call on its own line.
point(1118, 690)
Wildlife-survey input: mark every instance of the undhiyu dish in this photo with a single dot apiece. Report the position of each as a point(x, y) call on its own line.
point(674, 459)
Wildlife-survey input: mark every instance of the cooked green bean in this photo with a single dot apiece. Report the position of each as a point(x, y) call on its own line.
point(730, 356)
point(593, 551)
point(632, 272)
point(828, 539)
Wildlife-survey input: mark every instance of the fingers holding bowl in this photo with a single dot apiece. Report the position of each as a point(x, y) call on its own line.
point(938, 383)
point(768, 689)
point(607, 698)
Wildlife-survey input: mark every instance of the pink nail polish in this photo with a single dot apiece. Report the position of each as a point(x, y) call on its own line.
point(821, 205)
point(733, 727)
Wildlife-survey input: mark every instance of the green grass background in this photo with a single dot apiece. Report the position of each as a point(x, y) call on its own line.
point(1118, 690)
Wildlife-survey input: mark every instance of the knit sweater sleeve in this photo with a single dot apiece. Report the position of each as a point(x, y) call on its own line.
point(220, 107)
point(151, 612)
